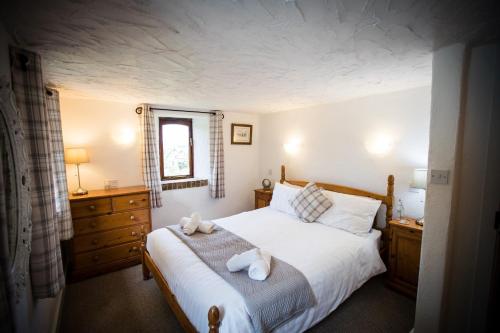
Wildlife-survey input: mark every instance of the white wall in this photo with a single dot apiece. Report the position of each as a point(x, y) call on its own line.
point(444, 131)
point(332, 143)
point(472, 236)
point(110, 131)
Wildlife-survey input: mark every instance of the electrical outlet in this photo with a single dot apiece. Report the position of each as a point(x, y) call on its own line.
point(440, 176)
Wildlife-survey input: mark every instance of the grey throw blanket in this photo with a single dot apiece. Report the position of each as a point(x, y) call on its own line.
point(270, 303)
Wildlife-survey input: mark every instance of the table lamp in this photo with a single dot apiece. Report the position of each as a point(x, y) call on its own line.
point(420, 182)
point(77, 156)
point(419, 179)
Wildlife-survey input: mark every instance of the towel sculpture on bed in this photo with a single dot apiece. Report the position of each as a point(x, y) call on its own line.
point(284, 294)
point(194, 223)
point(256, 261)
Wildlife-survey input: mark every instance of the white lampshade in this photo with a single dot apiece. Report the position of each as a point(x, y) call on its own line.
point(75, 156)
point(419, 179)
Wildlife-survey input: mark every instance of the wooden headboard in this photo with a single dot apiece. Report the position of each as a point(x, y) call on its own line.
point(386, 199)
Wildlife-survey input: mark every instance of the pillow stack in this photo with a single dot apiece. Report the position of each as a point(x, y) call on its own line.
point(351, 213)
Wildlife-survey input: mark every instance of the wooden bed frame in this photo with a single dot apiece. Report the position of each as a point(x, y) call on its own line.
point(149, 267)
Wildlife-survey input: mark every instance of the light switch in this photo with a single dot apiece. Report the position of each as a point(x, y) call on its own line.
point(270, 172)
point(440, 176)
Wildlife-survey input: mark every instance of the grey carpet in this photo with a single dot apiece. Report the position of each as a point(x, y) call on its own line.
point(123, 302)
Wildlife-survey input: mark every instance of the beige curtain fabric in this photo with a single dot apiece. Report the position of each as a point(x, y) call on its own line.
point(216, 184)
point(46, 268)
point(150, 156)
point(61, 201)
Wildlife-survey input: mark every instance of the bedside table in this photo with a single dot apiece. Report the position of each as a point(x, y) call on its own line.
point(405, 241)
point(262, 198)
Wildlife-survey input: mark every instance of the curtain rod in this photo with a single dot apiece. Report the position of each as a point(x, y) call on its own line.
point(138, 110)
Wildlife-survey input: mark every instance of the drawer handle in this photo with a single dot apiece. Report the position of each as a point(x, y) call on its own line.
point(134, 249)
point(95, 258)
point(131, 202)
point(132, 217)
point(95, 241)
point(93, 224)
point(134, 233)
point(92, 207)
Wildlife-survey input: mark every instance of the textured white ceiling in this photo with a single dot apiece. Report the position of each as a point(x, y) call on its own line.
point(256, 56)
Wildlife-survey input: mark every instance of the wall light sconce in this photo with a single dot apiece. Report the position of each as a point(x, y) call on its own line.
point(380, 144)
point(123, 135)
point(292, 146)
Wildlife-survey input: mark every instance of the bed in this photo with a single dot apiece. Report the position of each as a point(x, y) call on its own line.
point(334, 262)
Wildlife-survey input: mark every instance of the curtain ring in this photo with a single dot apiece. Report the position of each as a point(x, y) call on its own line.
point(138, 110)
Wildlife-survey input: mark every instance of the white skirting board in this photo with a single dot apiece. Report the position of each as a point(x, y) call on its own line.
point(47, 313)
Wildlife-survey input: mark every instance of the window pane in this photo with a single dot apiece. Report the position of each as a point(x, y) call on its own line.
point(175, 150)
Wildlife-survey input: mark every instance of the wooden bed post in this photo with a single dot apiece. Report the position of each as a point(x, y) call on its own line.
point(282, 179)
point(213, 320)
point(390, 198)
point(146, 274)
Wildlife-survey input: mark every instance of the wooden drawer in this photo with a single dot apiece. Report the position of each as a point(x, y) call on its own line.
point(93, 207)
point(107, 255)
point(132, 201)
point(406, 232)
point(110, 221)
point(109, 238)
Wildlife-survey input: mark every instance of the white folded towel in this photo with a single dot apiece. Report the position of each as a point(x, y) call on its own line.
point(184, 220)
point(190, 227)
point(196, 217)
point(206, 227)
point(243, 260)
point(260, 269)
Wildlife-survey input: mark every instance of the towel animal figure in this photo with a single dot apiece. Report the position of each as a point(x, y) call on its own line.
point(243, 260)
point(256, 261)
point(260, 269)
point(190, 224)
point(194, 223)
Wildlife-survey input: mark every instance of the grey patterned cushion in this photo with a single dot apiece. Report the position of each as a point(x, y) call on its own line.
point(310, 203)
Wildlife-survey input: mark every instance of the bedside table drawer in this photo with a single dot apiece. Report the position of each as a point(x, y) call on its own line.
point(110, 221)
point(107, 255)
point(94, 207)
point(110, 238)
point(404, 256)
point(133, 201)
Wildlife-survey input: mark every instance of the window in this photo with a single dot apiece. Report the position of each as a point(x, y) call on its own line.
point(176, 148)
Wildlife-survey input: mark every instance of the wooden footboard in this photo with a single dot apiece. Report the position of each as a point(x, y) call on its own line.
point(148, 268)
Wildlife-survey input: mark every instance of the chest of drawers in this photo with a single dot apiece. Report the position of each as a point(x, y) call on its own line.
point(110, 226)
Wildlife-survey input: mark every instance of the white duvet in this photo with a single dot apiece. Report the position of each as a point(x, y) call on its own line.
point(335, 263)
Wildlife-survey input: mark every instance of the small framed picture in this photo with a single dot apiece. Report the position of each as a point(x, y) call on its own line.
point(241, 134)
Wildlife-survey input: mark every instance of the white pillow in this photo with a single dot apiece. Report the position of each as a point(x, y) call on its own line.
point(350, 212)
point(282, 195)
